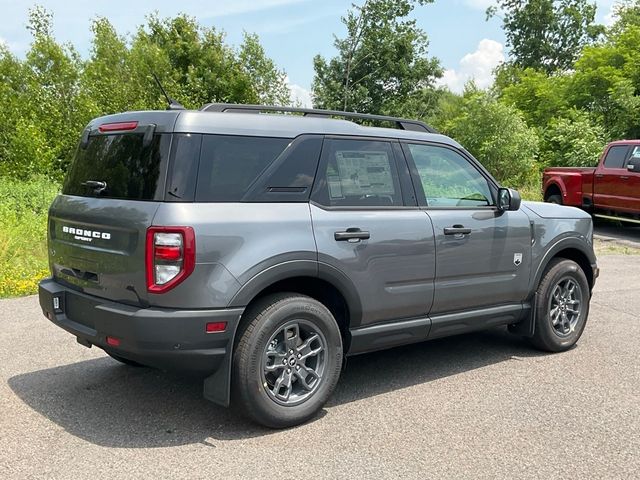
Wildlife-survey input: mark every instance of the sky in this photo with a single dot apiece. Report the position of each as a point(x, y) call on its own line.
point(291, 31)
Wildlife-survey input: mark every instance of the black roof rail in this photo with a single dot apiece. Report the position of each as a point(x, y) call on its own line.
point(401, 123)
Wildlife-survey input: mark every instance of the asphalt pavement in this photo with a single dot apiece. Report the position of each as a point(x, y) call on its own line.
point(624, 233)
point(482, 405)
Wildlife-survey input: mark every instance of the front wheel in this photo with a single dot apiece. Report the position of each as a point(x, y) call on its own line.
point(562, 306)
point(287, 361)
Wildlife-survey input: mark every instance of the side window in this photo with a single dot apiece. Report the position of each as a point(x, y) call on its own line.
point(357, 173)
point(230, 164)
point(635, 153)
point(449, 179)
point(185, 156)
point(616, 156)
point(290, 177)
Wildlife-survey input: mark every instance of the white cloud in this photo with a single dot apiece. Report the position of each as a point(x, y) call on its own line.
point(477, 66)
point(300, 96)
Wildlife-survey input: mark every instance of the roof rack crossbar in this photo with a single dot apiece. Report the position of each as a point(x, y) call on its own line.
point(400, 123)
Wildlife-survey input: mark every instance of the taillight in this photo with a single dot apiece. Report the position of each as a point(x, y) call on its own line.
point(170, 257)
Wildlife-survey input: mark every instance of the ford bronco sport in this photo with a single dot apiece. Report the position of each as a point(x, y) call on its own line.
point(260, 249)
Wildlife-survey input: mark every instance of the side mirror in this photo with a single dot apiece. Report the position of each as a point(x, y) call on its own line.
point(508, 200)
point(634, 165)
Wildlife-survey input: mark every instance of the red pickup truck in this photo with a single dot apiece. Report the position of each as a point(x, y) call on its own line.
point(612, 189)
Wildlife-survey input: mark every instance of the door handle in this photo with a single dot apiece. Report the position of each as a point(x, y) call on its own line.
point(457, 230)
point(351, 235)
point(624, 177)
point(599, 175)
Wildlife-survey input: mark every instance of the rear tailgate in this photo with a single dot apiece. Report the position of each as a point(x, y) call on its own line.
point(98, 246)
point(98, 226)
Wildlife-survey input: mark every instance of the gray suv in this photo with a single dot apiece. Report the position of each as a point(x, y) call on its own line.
point(260, 249)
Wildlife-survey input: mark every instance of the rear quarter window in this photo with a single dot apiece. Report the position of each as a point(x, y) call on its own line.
point(229, 165)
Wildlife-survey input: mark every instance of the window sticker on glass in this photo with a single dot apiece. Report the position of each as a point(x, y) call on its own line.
point(363, 172)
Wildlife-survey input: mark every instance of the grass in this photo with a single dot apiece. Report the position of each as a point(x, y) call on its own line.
point(23, 246)
point(610, 247)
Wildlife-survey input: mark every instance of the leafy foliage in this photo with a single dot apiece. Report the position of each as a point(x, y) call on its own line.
point(381, 63)
point(547, 35)
point(493, 132)
point(51, 95)
point(23, 249)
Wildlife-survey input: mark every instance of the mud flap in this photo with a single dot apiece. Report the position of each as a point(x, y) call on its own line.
point(526, 327)
point(217, 387)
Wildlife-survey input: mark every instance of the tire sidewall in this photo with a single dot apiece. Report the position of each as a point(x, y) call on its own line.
point(261, 406)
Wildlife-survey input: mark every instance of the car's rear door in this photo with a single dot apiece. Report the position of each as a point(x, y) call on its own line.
point(483, 256)
point(368, 226)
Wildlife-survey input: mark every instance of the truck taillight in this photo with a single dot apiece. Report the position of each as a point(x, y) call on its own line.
point(170, 257)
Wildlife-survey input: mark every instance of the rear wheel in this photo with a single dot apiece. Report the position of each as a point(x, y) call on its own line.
point(287, 361)
point(554, 199)
point(562, 306)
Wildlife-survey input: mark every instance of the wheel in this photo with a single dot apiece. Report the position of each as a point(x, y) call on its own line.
point(554, 199)
point(287, 361)
point(562, 306)
point(125, 361)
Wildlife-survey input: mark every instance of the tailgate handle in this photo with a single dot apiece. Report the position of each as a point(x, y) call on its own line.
point(457, 230)
point(351, 235)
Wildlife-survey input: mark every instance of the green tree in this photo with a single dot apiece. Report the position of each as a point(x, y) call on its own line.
point(547, 35)
point(381, 63)
point(269, 82)
point(495, 133)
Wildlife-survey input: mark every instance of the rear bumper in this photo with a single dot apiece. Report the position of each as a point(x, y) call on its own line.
point(158, 337)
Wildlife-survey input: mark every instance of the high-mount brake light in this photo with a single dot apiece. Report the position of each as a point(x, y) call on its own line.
point(170, 257)
point(117, 127)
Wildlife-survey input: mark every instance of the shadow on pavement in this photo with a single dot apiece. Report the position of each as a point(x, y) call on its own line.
point(112, 405)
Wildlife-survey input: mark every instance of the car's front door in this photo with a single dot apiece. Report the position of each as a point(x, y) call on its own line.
point(483, 255)
point(609, 179)
point(365, 228)
point(630, 190)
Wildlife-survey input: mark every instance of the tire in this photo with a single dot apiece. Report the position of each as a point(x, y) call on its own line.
point(554, 199)
point(280, 395)
point(556, 328)
point(124, 361)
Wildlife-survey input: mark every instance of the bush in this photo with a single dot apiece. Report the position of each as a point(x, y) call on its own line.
point(23, 238)
point(494, 133)
point(573, 141)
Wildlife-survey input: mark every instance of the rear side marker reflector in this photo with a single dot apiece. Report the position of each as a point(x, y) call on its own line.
point(113, 341)
point(117, 127)
point(213, 327)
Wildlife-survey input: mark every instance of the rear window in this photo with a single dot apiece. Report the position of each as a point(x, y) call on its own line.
point(122, 164)
point(230, 164)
